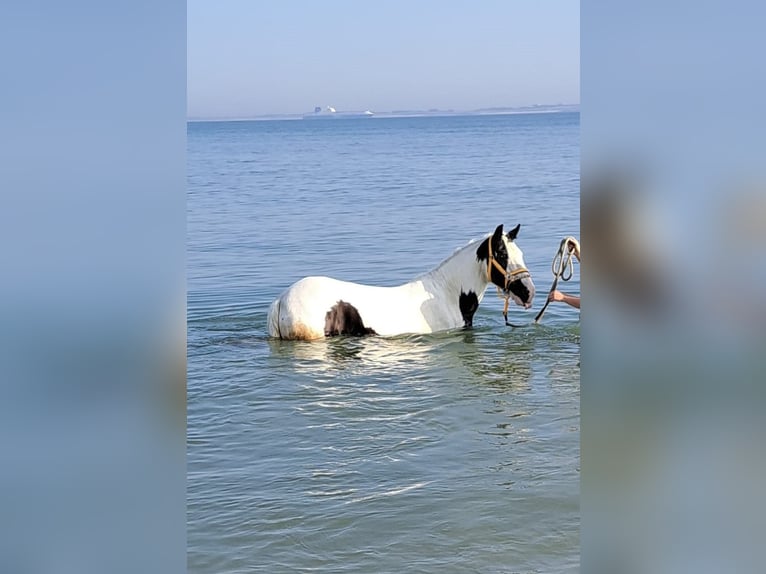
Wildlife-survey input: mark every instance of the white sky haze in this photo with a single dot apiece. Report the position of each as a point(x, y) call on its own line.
point(247, 58)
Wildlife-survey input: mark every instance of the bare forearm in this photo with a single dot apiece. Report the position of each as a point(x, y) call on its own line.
point(572, 301)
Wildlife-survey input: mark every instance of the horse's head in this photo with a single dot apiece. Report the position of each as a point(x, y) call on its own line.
point(505, 266)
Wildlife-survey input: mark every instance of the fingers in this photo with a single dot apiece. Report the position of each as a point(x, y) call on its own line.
point(574, 246)
point(555, 296)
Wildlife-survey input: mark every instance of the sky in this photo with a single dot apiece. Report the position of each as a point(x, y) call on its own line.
point(247, 58)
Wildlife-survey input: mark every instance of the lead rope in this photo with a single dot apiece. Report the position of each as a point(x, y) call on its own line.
point(562, 262)
point(507, 298)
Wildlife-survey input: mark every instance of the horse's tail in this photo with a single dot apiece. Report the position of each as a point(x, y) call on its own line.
point(273, 319)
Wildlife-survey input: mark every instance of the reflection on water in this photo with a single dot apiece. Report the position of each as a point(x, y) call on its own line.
point(495, 359)
point(500, 360)
point(354, 353)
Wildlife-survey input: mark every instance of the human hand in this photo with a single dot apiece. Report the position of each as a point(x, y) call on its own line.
point(555, 296)
point(571, 300)
point(574, 246)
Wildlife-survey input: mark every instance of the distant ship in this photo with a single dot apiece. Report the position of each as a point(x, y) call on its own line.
point(329, 113)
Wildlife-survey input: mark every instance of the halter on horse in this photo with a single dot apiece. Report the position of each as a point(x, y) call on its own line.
point(446, 297)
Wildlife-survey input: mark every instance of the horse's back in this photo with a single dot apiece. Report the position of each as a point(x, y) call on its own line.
point(315, 307)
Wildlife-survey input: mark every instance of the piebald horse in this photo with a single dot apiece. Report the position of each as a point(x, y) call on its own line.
point(444, 298)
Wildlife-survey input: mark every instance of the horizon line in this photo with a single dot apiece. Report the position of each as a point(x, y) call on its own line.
point(493, 110)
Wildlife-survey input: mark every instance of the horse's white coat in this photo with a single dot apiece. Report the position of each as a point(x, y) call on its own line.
point(426, 304)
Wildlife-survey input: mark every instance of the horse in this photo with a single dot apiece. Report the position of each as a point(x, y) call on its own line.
point(446, 297)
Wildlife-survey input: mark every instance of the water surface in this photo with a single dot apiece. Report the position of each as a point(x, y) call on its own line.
point(450, 452)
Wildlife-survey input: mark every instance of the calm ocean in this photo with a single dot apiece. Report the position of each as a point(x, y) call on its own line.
point(452, 452)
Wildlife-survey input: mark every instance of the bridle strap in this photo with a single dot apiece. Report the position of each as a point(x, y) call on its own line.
point(508, 275)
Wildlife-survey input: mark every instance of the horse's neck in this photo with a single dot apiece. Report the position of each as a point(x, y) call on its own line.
point(460, 273)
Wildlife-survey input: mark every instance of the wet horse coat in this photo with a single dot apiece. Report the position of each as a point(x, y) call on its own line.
point(446, 297)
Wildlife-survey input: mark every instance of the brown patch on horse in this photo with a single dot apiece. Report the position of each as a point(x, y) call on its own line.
point(301, 332)
point(344, 319)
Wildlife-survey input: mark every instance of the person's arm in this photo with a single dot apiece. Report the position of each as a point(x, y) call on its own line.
point(571, 300)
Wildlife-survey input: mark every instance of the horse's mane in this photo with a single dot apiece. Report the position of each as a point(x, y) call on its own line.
point(462, 247)
point(451, 256)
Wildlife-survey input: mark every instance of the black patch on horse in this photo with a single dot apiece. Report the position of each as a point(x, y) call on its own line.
point(499, 253)
point(344, 319)
point(519, 289)
point(468, 305)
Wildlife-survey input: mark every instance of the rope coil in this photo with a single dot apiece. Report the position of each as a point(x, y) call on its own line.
point(562, 262)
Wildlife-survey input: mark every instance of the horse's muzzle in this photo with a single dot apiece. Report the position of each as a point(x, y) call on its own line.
point(522, 291)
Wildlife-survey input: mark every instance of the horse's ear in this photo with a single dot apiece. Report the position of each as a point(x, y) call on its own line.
point(513, 232)
point(497, 234)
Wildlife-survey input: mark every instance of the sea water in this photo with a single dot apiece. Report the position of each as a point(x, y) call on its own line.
point(451, 452)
